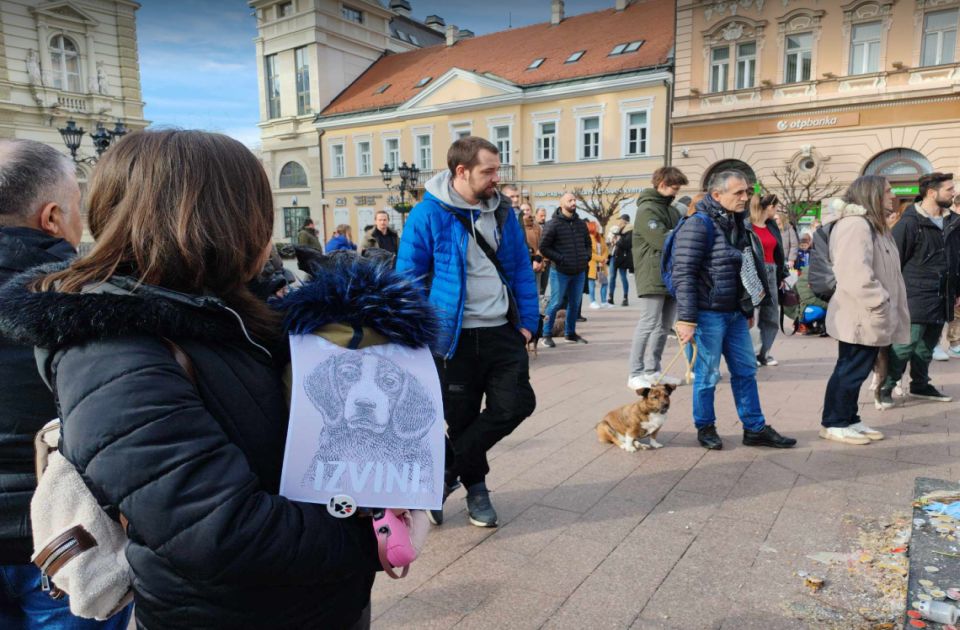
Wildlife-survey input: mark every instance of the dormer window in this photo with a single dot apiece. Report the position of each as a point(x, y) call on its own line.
point(633, 46)
point(383, 88)
point(617, 50)
point(536, 63)
point(575, 57)
point(422, 82)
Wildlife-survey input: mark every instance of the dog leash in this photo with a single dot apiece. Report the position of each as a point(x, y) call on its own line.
point(688, 375)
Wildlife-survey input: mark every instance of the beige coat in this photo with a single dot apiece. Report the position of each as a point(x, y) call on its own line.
point(869, 307)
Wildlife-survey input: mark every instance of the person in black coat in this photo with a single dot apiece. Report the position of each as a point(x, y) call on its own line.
point(566, 243)
point(928, 237)
point(194, 464)
point(40, 222)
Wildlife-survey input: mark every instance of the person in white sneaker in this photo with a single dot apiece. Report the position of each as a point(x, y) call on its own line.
point(868, 311)
point(656, 217)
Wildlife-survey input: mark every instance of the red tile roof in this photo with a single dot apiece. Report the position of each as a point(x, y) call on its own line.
point(508, 53)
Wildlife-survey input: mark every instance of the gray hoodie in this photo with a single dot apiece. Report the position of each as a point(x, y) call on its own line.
point(487, 300)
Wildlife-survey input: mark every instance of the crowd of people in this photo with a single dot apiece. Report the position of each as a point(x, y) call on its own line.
point(163, 349)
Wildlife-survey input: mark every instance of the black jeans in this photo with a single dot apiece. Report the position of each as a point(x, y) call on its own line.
point(843, 389)
point(489, 362)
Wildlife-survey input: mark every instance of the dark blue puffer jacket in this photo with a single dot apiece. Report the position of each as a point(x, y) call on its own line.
point(707, 275)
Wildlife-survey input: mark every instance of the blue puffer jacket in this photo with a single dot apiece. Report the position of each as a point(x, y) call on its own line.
point(339, 242)
point(433, 249)
point(707, 275)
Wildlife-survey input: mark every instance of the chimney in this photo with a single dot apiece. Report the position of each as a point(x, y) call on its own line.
point(435, 22)
point(464, 34)
point(400, 7)
point(556, 11)
point(452, 33)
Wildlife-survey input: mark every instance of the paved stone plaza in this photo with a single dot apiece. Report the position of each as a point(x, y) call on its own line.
point(593, 537)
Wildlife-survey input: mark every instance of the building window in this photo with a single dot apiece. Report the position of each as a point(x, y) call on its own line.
point(460, 130)
point(719, 68)
point(590, 138)
point(364, 159)
point(637, 132)
point(65, 60)
point(349, 13)
point(865, 48)
point(391, 152)
point(799, 58)
point(536, 63)
point(284, 9)
point(939, 37)
point(338, 160)
point(303, 80)
point(273, 86)
point(575, 56)
point(292, 175)
point(422, 82)
point(293, 220)
point(546, 141)
point(501, 138)
point(634, 46)
point(746, 65)
point(425, 152)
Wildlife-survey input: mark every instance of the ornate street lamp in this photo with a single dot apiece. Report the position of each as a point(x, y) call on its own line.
point(409, 180)
point(102, 138)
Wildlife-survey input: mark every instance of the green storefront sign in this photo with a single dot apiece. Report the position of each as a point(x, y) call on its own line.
point(904, 191)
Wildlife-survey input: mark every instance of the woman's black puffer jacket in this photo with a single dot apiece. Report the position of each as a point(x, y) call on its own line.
point(195, 470)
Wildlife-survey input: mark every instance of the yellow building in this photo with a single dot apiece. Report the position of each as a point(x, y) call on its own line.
point(857, 87)
point(564, 101)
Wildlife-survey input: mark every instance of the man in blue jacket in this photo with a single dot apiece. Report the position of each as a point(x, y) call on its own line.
point(488, 307)
point(713, 306)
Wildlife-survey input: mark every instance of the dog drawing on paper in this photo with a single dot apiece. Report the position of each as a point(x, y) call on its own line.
point(627, 425)
point(372, 410)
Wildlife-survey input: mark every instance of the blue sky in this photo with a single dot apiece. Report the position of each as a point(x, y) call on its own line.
point(198, 61)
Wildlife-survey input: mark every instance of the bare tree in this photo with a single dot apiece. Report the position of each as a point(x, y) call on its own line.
point(600, 200)
point(802, 191)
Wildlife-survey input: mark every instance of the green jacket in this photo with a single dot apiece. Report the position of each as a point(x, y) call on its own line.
point(655, 218)
point(309, 239)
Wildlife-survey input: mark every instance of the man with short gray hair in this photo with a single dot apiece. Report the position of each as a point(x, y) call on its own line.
point(40, 223)
point(715, 298)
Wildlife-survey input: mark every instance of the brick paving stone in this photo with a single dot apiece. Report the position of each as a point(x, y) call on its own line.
point(677, 538)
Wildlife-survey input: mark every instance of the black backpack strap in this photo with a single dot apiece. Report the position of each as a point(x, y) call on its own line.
point(513, 311)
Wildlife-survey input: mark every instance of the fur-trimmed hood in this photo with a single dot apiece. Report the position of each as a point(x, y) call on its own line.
point(350, 290)
point(362, 293)
point(837, 209)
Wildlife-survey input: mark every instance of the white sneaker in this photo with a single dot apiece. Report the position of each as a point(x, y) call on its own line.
point(940, 355)
point(898, 389)
point(845, 435)
point(594, 305)
point(869, 432)
point(638, 382)
point(954, 352)
point(769, 360)
point(609, 305)
point(662, 379)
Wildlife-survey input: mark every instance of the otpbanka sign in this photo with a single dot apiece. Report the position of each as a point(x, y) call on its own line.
point(810, 123)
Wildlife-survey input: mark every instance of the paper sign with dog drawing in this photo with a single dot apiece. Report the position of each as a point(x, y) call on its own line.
point(364, 423)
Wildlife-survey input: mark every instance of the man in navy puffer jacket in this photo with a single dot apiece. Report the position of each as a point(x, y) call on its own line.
point(487, 315)
point(713, 308)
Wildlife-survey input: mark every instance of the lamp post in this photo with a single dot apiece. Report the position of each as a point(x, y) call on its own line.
point(409, 177)
point(102, 138)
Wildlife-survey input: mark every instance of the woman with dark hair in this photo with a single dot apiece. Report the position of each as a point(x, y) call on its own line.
point(762, 223)
point(168, 371)
point(868, 310)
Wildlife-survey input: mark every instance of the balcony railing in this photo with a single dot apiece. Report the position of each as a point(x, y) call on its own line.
point(507, 174)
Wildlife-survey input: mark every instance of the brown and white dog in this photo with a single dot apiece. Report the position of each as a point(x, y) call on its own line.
point(627, 425)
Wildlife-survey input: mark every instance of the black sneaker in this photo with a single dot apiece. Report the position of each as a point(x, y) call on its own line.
point(625, 302)
point(479, 508)
point(575, 338)
point(767, 436)
point(884, 400)
point(610, 302)
point(436, 516)
point(929, 392)
point(581, 319)
point(708, 438)
point(548, 342)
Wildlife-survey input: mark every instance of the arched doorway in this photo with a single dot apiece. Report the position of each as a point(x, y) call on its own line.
point(902, 168)
point(729, 165)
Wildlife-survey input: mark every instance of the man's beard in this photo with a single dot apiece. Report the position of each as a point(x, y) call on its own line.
point(945, 205)
point(485, 194)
